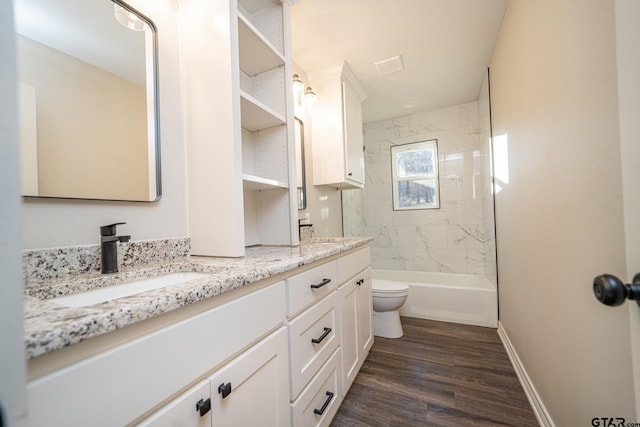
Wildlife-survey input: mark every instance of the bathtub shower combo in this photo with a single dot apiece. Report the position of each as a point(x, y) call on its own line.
point(450, 297)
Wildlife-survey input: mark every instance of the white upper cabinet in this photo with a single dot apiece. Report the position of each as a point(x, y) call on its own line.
point(338, 157)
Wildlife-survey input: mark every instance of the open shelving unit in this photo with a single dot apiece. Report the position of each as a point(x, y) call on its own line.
point(265, 120)
point(239, 126)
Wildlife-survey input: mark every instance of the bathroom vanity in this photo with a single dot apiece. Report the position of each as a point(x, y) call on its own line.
point(273, 338)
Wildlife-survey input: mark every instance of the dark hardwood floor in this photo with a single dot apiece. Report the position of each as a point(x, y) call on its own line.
point(437, 374)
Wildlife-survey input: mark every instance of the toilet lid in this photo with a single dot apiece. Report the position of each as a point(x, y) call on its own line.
point(388, 286)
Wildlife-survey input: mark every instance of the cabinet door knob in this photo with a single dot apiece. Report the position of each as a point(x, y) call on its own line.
point(318, 340)
point(325, 404)
point(224, 389)
point(203, 406)
point(350, 174)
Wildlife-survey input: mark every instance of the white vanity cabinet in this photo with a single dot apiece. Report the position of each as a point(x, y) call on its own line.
point(338, 148)
point(239, 126)
point(270, 355)
point(120, 385)
point(251, 390)
point(356, 313)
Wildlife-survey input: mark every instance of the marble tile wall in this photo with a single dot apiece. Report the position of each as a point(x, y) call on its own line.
point(454, 238)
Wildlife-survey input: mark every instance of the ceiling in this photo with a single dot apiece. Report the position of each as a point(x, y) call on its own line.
point(446, 46)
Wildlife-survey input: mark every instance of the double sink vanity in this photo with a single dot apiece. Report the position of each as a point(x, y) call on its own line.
point(273, 338)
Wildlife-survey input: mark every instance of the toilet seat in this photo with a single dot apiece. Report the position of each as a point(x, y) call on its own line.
point(389, 287)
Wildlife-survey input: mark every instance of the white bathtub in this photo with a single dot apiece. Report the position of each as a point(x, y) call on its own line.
point(449, 297)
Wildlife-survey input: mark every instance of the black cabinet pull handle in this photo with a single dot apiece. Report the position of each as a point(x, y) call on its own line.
point(224, 389)
point(324, 405)
point(321, 284)
point(203, 406)
point(318, 340)
point(360, 282)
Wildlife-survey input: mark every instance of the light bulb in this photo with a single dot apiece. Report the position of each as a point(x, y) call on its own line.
point(309, 98)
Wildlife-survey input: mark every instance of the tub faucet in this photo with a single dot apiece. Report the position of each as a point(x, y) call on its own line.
point(109, 247)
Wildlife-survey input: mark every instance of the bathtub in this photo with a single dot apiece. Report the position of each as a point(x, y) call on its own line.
point(450, 297)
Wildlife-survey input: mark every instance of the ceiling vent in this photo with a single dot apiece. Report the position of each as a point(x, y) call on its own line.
point(389, 65)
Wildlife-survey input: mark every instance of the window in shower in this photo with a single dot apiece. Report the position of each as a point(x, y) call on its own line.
point(414, 169)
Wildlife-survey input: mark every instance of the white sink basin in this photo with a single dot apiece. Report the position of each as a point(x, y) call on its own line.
point(100, 295)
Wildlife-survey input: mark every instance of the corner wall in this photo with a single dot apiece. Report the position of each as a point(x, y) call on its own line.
point(559, 212)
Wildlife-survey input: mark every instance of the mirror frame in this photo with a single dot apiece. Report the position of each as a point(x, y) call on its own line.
point(156, 97)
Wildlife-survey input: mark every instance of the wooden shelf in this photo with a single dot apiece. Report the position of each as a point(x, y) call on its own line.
point(255, 183)
point(257, 54)
point(256, 115)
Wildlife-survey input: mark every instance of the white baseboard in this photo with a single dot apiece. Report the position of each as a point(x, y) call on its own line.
point(544, 419)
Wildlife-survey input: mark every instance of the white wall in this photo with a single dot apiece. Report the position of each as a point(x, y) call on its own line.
point(450, 239)
point(57, 222)
point(324, 206)
point(559, 215)
point(12, 365)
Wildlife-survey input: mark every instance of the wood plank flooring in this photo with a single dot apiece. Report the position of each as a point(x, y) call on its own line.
point(437, 374)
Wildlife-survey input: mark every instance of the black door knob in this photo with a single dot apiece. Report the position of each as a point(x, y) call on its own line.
point(610, 290)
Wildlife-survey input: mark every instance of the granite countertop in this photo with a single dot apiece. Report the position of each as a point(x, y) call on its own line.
point(50, 326)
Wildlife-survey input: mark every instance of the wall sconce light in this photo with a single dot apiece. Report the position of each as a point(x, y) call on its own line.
point(127, 18)
point(309, 98)
point(298, 89)
point(302, 95)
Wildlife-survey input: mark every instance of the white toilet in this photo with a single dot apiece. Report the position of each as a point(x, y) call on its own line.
point(388, 297)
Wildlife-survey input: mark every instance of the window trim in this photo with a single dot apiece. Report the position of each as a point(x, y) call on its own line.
point(431, 144)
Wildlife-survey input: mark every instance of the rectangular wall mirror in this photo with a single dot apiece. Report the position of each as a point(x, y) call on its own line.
point(88, 100)
point(300, 169)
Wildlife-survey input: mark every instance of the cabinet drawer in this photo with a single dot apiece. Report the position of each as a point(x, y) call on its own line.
point(316, 397)
point(305, 288)
point(352, 264)
point(312, 339)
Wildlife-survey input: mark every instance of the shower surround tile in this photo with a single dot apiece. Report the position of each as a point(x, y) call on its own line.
point(457, 238)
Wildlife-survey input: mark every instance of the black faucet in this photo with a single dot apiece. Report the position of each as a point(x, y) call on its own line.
point(108, 243)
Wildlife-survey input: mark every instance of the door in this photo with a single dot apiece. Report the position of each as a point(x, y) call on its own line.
point(349, 332)
point(365, 315)
point(628, 54)
point(253, 390)
point(353, 137)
